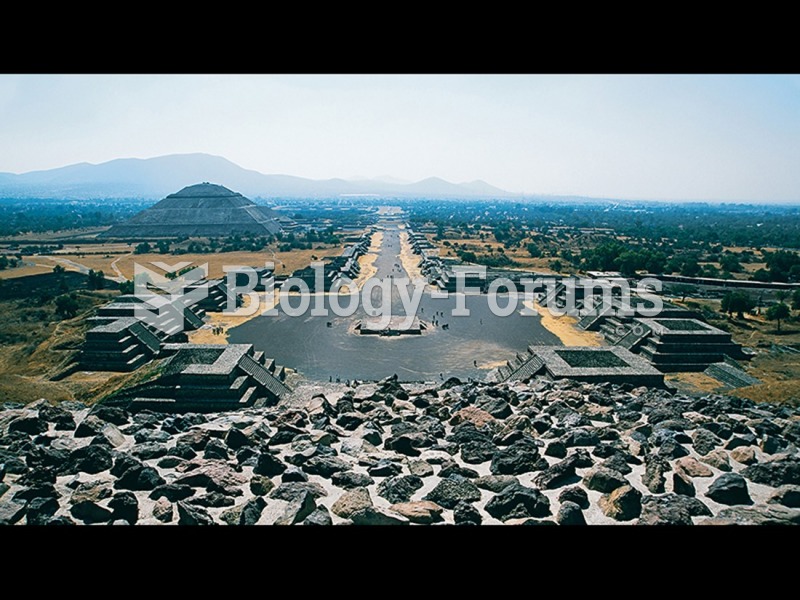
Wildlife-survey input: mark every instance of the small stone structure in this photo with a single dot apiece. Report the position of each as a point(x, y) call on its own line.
point(582, 363)
point(396, 326)
point(122, 344)
point(208, 377)
point(685, 344)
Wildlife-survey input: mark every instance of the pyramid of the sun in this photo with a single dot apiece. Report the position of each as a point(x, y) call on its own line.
point(204, 209)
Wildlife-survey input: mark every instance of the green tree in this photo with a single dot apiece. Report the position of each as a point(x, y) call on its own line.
point(67, 306)
point(126, 287)
point(730, 262)
point(736, 302)
point(97, 280)
point(534, 250)
point(762, 275)
point(778, 312)
point(142, 248)
point(690, 268)
point(58, 269)
point(796, 299)
point(683, 290)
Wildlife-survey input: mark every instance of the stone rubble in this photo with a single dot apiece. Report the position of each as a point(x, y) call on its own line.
point(387, 453)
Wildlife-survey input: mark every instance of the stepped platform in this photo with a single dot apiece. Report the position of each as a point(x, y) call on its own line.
point(583, 363)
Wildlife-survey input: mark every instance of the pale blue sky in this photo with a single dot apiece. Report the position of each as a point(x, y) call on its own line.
point(730, 137)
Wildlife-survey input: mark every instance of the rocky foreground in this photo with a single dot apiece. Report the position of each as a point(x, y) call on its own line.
point(381, 454)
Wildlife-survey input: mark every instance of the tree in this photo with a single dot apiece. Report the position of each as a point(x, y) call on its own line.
point(778, 312)
point(67, 306)
point(690, 268)
point(126, 287)
point(97, 280)
point(762, 275)
point(736, 302)
point(58, 269)
point(683, 290)
point(796, 300)
point(534, 250)
point(142, 248)
point(730, 262)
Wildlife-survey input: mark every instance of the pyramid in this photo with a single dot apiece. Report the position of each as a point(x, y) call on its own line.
point(204, 209)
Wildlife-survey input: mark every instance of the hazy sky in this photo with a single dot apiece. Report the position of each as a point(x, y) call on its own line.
point(662, 137)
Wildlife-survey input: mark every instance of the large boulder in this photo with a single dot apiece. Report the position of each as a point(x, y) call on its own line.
point(90, 512)
point(775, 473)
point(89, 459)
point(786, 495)
point(604, 480)
point(269, 465)
point(29, 425)
point(671, 509)
point(251, 511)
point(139, 477)
point(466, 514)
point(213, 475)
point(351, 479)
point(520, 457)
point(449, 492)
point(325, 466)
point(575, 494)
point(189, 514)
point(400, 488)
point(351, 502)
point(125, 507)
point(518, 501)
point(423, 511)
point(729, 488)
point(297, 510)
point(570, 513)
point(622, 504)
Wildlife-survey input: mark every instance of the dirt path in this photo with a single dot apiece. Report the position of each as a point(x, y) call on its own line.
point(564, 328)
point(116, 268)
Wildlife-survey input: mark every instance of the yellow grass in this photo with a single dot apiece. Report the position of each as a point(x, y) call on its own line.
point(780, 377)
point(36, 269)
point(694, 382)
point(96, 262)
point(564, 327)
point(285, 262)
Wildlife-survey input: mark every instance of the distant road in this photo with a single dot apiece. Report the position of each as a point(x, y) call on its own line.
point(85, 270)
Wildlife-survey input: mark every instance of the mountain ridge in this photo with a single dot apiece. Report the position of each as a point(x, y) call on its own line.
point(156, 177)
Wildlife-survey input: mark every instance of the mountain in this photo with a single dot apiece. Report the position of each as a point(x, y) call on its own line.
point(163, 175)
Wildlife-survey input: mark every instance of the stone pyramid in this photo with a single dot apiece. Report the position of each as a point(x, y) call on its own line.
point(204, 209)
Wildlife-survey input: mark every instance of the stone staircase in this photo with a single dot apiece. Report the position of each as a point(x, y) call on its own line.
point(729, 375)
